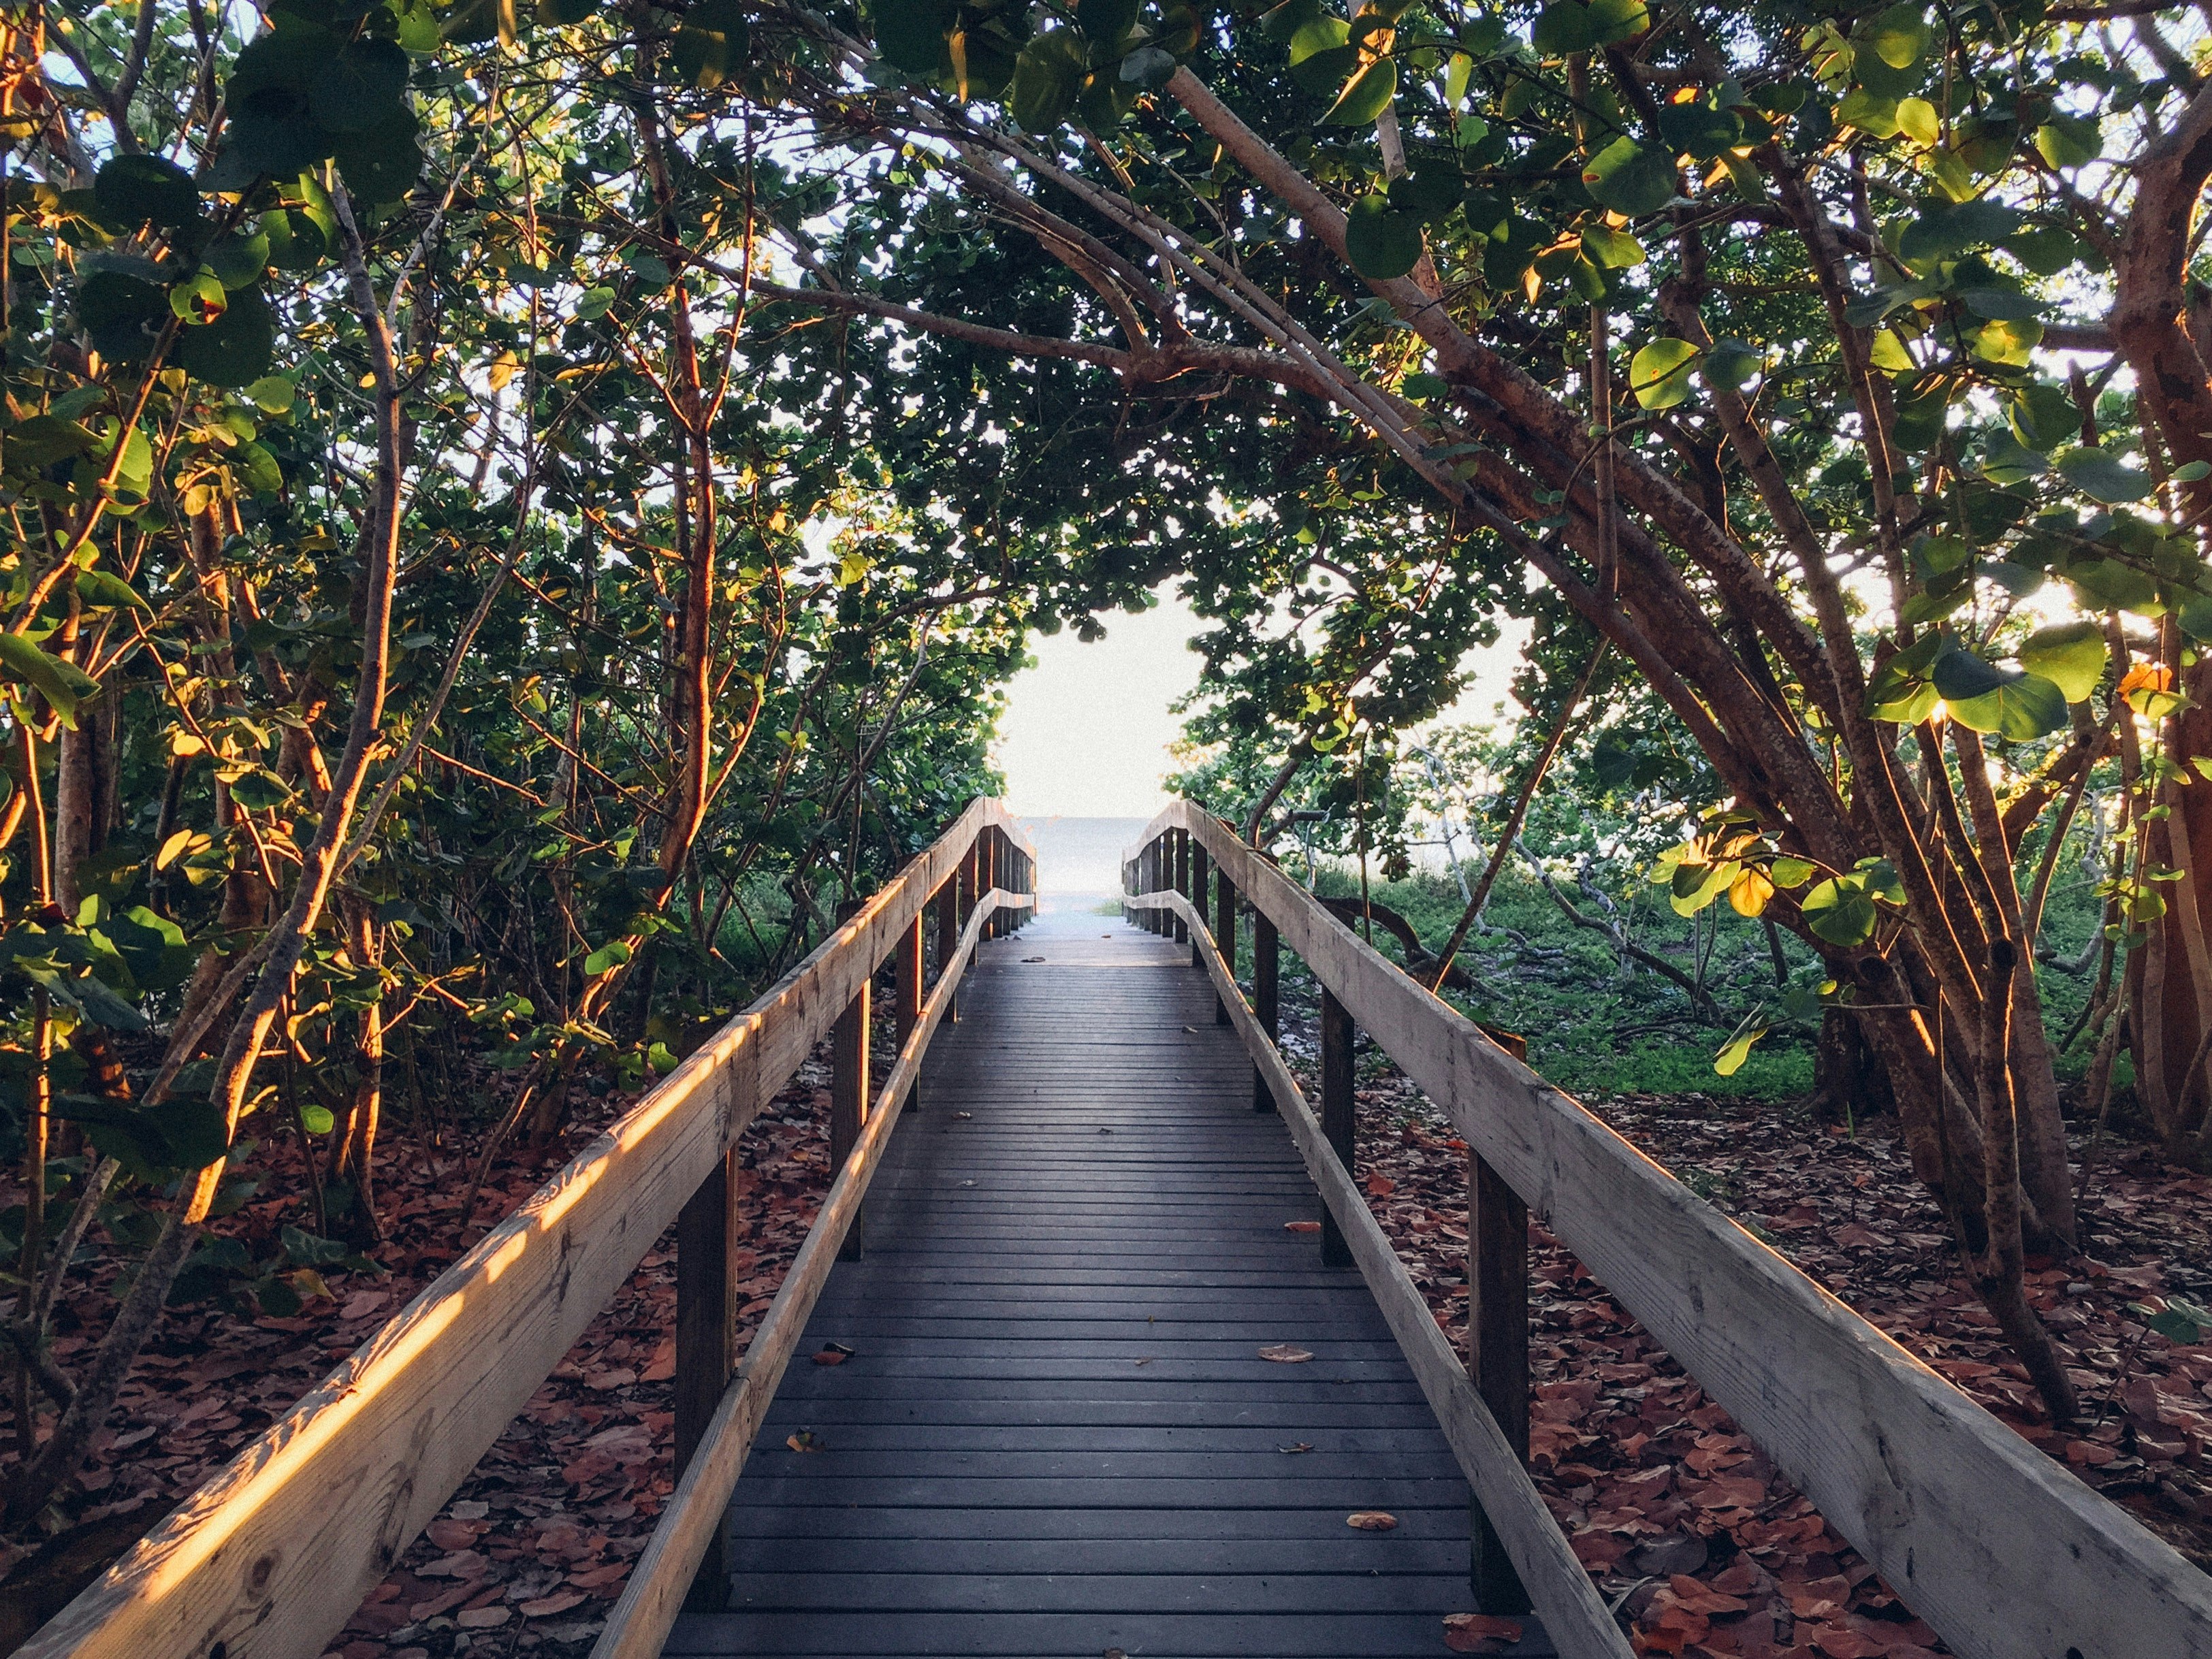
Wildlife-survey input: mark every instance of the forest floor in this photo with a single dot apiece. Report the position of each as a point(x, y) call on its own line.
point(1664, 1498)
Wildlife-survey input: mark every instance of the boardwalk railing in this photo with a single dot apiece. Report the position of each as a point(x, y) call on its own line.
point(2005, 1554)
point(270, 1558)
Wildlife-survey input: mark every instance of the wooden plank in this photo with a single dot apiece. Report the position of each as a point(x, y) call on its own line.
point(1019, 1635)
point(2002, 1552)
point(1574, 1617)
point(271, 1556)
point(641, 1619)
point(706, 1328)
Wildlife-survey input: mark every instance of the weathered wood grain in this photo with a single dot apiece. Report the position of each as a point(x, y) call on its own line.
point(271, 1557)
point(2005, 1554)
point(691, 1520)
point(1574, 1617)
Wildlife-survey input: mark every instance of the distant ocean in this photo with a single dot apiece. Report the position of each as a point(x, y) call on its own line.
point(1080, 858)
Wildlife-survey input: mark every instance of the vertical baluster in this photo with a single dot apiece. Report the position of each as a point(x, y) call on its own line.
point(948, 932)
point(1497, 1344)
point(1198, 879)
point(1336, 1110)
point(1224, 933)
point(908, 962)
point(848, 1090)
point(1180, 879)
point(706, 1350)
point(1266, 976)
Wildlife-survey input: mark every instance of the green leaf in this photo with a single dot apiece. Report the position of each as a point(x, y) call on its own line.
point(1788, 872)
point(910, 33)
point(1871, 112)
point(136, 190)
point(2071, 656)
point(1698, 129)
point(612, 954)
point(1946, 230)
point(317, 1120)
point(1421, 387)
point(1659, 374)
point(1731, 364)
point(2070, 141)
point(1630, 180)
point(1839, 911)
point(360, 88)
point(239, 259)
point(2099, 474)
point(1917, 120)
point(1562, 28)
point(1903, 688)
point(1365, 96)
point(2021, 707)
point(272, 394)
point(1322, 55)
point(1149, 67)
point(1616, 250)
point(123, 313)
point(1430, 191)
point(1900, 36)
point(102, 591)
point(711, 45)
point(234, 350)
point(1958, 673)
point(64, 684)
point(2042, 417)
point(1381, 242)
point(1047, 75)
point(381, 163)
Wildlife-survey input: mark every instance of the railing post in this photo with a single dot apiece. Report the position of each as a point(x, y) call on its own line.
point(1224, 932)
point(848, 1089)
point(992, 842)
point(1497, 1344)
point(948, 934)
point(706, 1352)
point(1336, 1106)
point(907, 961)
point(1198, 883)
point(1148, 880)
point(1180, 881)
point(1267, 977)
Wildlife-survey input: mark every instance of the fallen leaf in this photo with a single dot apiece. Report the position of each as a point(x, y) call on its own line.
point(1032, 958)
point(1298, 1446)
point(805, 1440)
point(1371, 1520)
point(482, 1618)
point(546, 1605)
point(833, 1353)
point(963, 1114)
point(1284, 1353)
point(1302, 1226)
point(1480, 1633)
point(1381, 1186)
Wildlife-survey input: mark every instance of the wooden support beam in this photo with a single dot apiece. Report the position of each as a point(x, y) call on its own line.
point(705, 1345)
point(1196, 894)
point(907, 963)
point(1179, 878)
point(1497, 1344)
point(1336, 1113)
point(1266, 984)
point(1225, 934)
point(948, 934)
point(848, 1093)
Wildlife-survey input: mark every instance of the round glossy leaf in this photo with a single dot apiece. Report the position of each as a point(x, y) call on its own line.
point(1659, 374)
point(1731, 364)
point(1047, 77)
point(1614, 249)
point(1149, 67)
point(712, 44)
point(360, 88)
point(124, 314)
point(2070, 141)
point(1562, 27)
point(1365, 96)
point(1698, 129)
point(1840, 913)
point(2098, 474)
point(1322, 55)
point(2023, 708)
point(1430, 191)
point(382, 164)
point(910, 33)
point(1107, 22)
point(234, 350)
point(2042, 417)
point(1900, 36)
point(1381, 242)
point(237, 260)
point(275, 143)
point(136, 190)
point(1629, 178)
point(1947, 229)
point(2071, 656)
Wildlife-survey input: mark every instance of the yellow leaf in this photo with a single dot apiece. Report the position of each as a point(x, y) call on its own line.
point(1749, 892)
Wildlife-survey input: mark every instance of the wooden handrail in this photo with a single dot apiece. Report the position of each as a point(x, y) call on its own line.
point(2006, 1556)
point(271, 1557)
point(642, 1620)
point(1574, 1616)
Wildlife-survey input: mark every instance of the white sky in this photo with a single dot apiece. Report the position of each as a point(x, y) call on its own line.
point(1086, 730)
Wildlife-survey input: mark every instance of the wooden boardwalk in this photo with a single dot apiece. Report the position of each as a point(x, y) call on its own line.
point(1055, 1434)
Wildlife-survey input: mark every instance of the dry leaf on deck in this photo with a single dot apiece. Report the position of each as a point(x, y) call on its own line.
point(1285, 1353)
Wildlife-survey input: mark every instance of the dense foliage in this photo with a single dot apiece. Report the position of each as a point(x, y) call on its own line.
point(511, 513)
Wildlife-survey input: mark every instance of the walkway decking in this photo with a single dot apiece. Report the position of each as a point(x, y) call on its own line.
point(1055, 1435)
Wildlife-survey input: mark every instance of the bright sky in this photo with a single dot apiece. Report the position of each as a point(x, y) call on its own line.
point(1086, 730)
